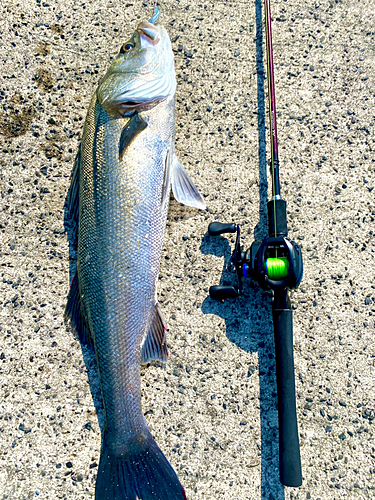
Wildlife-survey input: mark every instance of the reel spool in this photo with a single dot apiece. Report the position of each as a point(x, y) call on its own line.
point(277, 268)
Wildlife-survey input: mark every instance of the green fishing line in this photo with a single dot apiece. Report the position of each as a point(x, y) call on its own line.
point(277, 268)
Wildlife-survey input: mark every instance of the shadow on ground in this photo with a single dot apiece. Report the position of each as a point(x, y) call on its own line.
point(248, 318)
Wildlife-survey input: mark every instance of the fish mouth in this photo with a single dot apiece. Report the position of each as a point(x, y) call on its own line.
point(149, 34)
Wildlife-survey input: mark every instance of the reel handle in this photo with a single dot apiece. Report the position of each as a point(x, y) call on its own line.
point(289, 451)
point(217, 228)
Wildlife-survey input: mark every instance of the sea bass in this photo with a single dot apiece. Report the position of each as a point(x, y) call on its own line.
point(119, 196)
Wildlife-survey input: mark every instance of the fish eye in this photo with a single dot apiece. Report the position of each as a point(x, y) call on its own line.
point(127, 47)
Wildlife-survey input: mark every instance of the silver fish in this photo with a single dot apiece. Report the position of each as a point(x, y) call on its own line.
point(119, 196)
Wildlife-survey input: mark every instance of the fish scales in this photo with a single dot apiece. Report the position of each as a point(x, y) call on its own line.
point(123, 175)
point(121, 234)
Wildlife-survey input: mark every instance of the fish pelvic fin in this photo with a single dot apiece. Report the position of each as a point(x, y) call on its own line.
point(137, 474)
point(184, 189)
point(155, 344)
point(75, 314)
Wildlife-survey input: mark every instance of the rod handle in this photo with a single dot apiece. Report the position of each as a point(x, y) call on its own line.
point(216, 228)
point(289, 451)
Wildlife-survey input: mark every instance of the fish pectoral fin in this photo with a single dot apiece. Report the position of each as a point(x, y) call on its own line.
point(184, 189)
point(155, 344)
point(74, 312)
point(72, 198)
point(134, 127)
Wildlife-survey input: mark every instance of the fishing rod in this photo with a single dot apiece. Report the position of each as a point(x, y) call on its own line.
point(276, 264)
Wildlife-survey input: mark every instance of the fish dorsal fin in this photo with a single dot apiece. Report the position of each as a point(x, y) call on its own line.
point(184, 189)
point(134, 127)
point(155, 345)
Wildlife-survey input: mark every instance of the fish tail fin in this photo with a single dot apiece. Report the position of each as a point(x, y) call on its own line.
point(139, 474)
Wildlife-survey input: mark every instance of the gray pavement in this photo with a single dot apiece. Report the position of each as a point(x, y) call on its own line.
point(213, 408)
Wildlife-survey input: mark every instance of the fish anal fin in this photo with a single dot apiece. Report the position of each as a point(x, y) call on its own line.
point(133, 127)
point(155, 347)
point(184, 189)
point(74, 313)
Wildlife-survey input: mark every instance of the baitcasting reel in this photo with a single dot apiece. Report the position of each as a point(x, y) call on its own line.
point(275, 263)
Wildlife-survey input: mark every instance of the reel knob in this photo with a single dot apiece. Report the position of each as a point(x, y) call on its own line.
point(217, 228)
point(222, 292)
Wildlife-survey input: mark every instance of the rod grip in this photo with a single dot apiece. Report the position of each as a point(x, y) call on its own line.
point(289, 451)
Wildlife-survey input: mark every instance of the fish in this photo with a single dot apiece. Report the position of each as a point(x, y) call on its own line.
point(118, 200)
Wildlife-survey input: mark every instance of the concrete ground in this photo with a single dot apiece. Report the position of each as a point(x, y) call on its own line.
point(213, 408)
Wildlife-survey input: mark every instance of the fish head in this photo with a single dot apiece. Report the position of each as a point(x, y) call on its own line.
point(142, 75)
